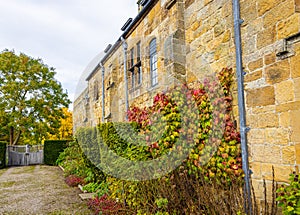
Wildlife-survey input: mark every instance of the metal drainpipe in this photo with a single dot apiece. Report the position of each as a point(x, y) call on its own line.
point(103, 92)
point(125, 46)
point(241, 103)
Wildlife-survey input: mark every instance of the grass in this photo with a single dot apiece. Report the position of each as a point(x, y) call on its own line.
point(25, 169)
point(7, 184)
point(2, 171)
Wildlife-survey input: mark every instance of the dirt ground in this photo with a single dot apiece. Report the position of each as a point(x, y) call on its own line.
point(38, 190)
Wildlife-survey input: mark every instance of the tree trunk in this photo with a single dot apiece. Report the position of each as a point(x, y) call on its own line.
point(11, 135)
point(17, 138)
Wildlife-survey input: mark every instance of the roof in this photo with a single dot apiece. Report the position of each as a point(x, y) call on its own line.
point(127, 28)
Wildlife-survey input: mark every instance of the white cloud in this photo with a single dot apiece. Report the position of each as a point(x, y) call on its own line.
point(66, 34)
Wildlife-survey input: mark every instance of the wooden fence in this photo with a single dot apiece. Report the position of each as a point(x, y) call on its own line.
point(25, 155)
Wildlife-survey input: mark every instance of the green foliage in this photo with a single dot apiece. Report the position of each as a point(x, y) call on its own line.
point(87, 140)
point(31, 99)
point(2, 154)
point(100, 189)
point(52, 149)
point(161, 203)
point(289, 196)
point(71, 160)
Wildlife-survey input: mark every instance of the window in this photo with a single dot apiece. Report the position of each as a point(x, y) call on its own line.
point(131, 58)
point(135, 67)
point(139, 75)
point(132, 79)
point(138, 52)
point(153, 63)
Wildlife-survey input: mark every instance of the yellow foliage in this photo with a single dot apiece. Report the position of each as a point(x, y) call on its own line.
point(65, 130)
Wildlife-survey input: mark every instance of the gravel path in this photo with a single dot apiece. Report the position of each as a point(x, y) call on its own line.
point(38, 190)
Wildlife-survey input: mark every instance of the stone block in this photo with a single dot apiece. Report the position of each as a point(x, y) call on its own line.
point(266, 37)
point(206, 2)
point(284, 92)
point(264, 109)
point(226, 36)
point(267, 171)
point(253, 76)
point(189, 3)
point(277, 72)
point(297, 6)
point(256, 169)
point(269, 58)
point(249, 44)
point(266, 153)
point(260, 97)
point(256, 136)
point(295, 125)
point(219, 29)
point(297, 149)
point(288, 106)
point(284, 119)
point(295, 65)
point(267, 120)
point(249, 12)
point(278, 13)
point(221, 51)
point(277, 136)
point(297, 88)
point(288, 155)
point(288, 26)
point(257, 64)
point(265, 5)
point(258, 188)
point(281, 172)
point(254, 26)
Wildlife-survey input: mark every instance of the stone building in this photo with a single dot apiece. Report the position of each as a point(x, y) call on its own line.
point(170, 41)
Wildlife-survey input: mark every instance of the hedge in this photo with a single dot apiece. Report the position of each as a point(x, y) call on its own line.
point(2, 154)
point(52, 149)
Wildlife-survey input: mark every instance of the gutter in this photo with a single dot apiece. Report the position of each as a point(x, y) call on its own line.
point(241, 104)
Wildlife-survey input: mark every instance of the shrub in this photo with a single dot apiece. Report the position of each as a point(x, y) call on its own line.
point(52, 148)
point(74, 180)
point(104, 205)
point(2, 154)
point(289, 196)
point(87, 142)
point(71, 159)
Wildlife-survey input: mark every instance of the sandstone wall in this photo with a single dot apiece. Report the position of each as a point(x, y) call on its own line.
point(271, 81)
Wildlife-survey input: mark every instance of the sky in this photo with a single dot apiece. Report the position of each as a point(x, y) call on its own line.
point(66, 34)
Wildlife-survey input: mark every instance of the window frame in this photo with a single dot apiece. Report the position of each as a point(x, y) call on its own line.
point(153, 62)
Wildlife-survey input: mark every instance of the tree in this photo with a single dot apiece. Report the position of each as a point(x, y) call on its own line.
point(65, 131)
point(31, 99)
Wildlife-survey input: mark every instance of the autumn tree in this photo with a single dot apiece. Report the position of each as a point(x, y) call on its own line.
point(65, 131)
point(31, 99)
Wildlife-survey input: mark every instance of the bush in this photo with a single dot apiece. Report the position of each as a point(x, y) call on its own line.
point(104, 205)
point(2, 154)
point(289, 196)
point(52, 148)
point(74, 180)
point(71, 160)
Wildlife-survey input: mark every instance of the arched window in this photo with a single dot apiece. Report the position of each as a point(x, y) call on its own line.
point(153, 63)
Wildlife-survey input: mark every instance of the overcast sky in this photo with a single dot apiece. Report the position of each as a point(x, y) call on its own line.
point(65, 34)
